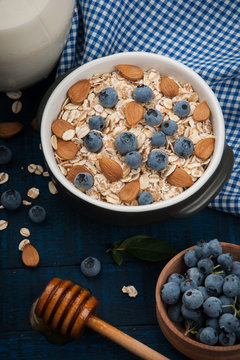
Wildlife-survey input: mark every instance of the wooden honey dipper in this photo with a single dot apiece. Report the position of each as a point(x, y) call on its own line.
point(68, 308)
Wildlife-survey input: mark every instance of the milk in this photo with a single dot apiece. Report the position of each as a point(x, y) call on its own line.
point(32, 36)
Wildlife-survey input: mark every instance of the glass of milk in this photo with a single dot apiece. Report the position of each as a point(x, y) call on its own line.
point(32, 36)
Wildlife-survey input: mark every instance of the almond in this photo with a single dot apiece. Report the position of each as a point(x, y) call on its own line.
point(66, 149)
point(111, 169)
point(9, 129)
point(76, 170)
point(201, 112)
point(134, 113)
point(59, 127)
point(168, 87)
point(30, 256)
point(204, 148)
point(180, 177)
point(79, 91)
point(130, 191)
point(130, 72)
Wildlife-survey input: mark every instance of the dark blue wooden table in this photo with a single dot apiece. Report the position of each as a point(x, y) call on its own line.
point(63, 241)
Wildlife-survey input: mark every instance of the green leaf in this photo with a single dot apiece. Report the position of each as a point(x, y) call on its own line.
point(116, 244)
point(117, 257)
point(147, 248)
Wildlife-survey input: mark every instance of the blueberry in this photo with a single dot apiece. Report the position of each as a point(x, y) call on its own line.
point(190, 258)
point(108, 97)
point(191, 314)
point(213, 322)
point(143, 94)
point(153, 117)
point(195, 274)
point(83, 181)
point(174, 312)
point(11, 199)
point(169, 127)
point(90, 266)
point(212, 307)
point(126, 142)
point(226, 261)
point(170, 293)
point(133, 159)
point(188, 284)
point(229, 323)
point(202, 249)
point(181, 108)
point(236, 268)
point(93, 142)
point(157, 160)
point(206, 266)
point(175, 277)
point(214, 284)
point(5, 155)
point(203, 291)
point(37, 214)
point(97, 123)
point(192, 299)
point(158, 139)
point(231, 285)
point(208, 336)
point(215, 247)
point(226, 339)
point(183, 147)
point(225, 300)
point(145, 198)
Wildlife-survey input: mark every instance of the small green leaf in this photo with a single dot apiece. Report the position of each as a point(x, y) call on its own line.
point(116, 244)
point(117, 257)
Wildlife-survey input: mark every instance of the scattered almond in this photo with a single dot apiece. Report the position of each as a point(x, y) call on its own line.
point(130, 72)
point(52, 188)
point(180, 177)
point(3, 177)
point(79, 91)
point(3, 224)
point(23, 243)
point(9, 129)
point(30, 256)
point(204, 148)
point(26, 203)
point(25, 232)
point(111, 169)
point(130, 191)
point(66, 149)
point(60, 126)
point(168, 87)
point(16, 107)
point(134, 113)
point(201, 112)
point(33, 193)
point(76, 170)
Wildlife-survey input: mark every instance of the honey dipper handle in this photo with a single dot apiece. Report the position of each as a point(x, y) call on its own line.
point(126, 341)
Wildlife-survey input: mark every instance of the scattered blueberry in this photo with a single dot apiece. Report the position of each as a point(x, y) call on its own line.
point(11, 199)
point(126, 142)
point(5, 155)
point(181, 108)
point(206, 266)
point(169, 127)
point(175, 277)
point(133, 159)
point(229, 323)
point(170, 293)
point(192, 299)
point(208, 336)
point(158, 139)
point(183, 147)
point(226, 339)
point(188, 284)
point(83, 181)
point(231, 285)
point(145, 198)
point(190, 258)
point(157, 160)
point(143, 94)
point(195, 274)
point(214, 284)
point(90, 266)
point(153, 117)
point(174, 312)
point(93, 142)
point(226, 261)
point(108, 97)
point(37, 214)
point(97, 123)
point(212, 307)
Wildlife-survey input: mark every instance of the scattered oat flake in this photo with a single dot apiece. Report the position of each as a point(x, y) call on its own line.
point(45, 174)
point(52, 188)
point(39, 170)
point(33, 193)
point(14, 95)
point(3, 224)
point(22, 244)
point(32, 168)
point(3, 178)
point(1, 207)
point(16, 107)
point(130, 290)
point(26, 203)
point(25, 232)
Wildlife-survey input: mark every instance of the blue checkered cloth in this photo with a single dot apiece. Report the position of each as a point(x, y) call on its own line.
point(203, 35)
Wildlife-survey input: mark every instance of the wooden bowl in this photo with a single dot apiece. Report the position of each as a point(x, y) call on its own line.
point(174, 332)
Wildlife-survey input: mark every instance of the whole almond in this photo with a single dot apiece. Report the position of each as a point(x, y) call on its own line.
point(130, 191)
point(79, 91)
point(9, 129)
point(59, 127)
point(66, 149)
point(201, 112)
point(111, 169)
point(180, 177)
point(134, 113)
point(168, 87)
point(30, 256)
point(204, 148)
point(130, 72)
point(76, 170)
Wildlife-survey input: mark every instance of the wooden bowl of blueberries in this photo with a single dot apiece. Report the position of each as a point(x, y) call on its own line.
point(198, 301)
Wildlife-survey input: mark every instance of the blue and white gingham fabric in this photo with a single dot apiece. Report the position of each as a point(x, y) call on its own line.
point(204, 35)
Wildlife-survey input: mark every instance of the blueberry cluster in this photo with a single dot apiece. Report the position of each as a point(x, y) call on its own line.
point(206, 299)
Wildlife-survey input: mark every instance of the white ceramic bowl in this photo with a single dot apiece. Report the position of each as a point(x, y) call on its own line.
point(166, 66)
